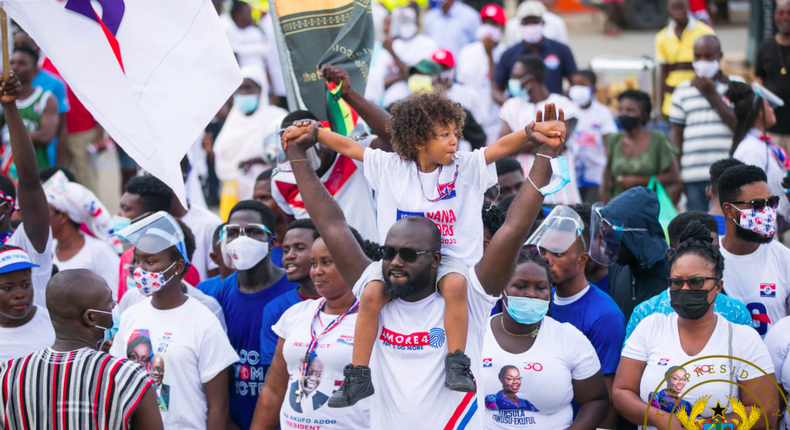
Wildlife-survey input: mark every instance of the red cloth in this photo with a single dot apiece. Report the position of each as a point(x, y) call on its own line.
point(192, 277)
point(698, 5)
point(78, 119)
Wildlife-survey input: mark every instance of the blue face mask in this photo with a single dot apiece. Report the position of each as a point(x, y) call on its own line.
point(560, 176)
point(514, 87)
point(246, 102)
point(110, 333)
point(120, 222)
point(526, 310)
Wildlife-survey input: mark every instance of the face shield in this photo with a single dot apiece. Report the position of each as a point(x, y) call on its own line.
point(606, 236)
point(561, 228)
point(155, 233)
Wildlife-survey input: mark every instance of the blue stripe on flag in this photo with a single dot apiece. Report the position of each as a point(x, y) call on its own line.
point(469, 414)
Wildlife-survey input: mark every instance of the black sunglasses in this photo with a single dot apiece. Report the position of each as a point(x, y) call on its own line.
point(408, 255)
point(695, 282)
point(759, 204)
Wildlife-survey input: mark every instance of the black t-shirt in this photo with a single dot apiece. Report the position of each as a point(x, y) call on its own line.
point(771, 57)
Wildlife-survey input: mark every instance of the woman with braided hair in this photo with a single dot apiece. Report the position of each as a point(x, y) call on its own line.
point(705, 344)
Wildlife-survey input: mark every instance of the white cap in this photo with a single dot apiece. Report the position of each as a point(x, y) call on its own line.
point(530, 8)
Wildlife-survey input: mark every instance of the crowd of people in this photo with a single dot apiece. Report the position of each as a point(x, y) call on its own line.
point(489, 248)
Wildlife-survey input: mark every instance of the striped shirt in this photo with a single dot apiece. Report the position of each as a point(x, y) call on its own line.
point(706, 138)
point(82, 389)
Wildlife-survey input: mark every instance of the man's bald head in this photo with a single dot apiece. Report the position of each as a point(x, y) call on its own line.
point(709, 42)
point(71, 292)
point(416, 227)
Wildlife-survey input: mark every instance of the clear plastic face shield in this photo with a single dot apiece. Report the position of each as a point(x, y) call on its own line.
point(606, 236)
point(154, 234)
point(561, 228)
point(283, 165)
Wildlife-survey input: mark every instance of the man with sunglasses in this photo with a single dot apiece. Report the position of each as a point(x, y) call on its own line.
point(408, 358)
point(247, 242)
point(756, 267)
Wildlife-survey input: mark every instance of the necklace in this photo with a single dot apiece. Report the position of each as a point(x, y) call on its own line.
point(534, 333)
point(783, 70)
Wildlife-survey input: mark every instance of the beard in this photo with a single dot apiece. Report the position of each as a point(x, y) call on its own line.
point(418, 284)
point(751, 236)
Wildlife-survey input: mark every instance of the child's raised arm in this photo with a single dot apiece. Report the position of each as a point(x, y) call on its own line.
point(348, 147)
point(538, 132)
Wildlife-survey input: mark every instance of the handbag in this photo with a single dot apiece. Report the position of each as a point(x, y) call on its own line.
point(668, 211)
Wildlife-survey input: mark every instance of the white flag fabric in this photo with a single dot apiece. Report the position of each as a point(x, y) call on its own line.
point(152, 73)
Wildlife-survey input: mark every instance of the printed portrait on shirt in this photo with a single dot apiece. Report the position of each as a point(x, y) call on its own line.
point(139, 348)
point(507, 398)
point(668, 399)
point(157, 372)
point(311, 398)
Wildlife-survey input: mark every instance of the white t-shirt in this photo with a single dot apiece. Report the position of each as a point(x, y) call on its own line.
point(194, 349)
point(761, 281)
point(657, 343)
point(333, 353)
point(133, 296)
point(34, 336)
point(419, 47)
point(345, 181)
point(402, 191)
point(754, 151)
point(586, 144)
point(408, 362)
point(778, 344)
point(202, 222)
point(560, 354)
point(40, 275)
point(471, 69)
point(97, 256)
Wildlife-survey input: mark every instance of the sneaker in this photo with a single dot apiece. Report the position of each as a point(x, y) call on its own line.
point(357, 385)
point(458, 377)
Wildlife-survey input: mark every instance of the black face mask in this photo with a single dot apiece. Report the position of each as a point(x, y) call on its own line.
point(628, 122)
point(689, 304)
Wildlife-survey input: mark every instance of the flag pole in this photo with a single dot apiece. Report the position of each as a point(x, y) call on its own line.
point(4, 30)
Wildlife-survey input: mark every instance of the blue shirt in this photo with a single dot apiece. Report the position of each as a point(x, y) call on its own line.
point(603, 284)
point(597, 316)
point(243, 315)
point(277, 256)
point(731, 309)
point(49, 82)
point(556, 56)
point(722, 222)
point(454, 30)
point(271, 314)
point(209, 285)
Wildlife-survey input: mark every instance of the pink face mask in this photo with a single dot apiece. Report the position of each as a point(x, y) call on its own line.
point(762, 222)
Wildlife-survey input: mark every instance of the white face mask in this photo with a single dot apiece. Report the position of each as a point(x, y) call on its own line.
point(245, 252)
point(532, 33)
point(580, 94)
point(706, 69)
point(490, 31)
point(407, 30)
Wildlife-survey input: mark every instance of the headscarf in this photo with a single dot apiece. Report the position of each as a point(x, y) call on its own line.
point(81, 205)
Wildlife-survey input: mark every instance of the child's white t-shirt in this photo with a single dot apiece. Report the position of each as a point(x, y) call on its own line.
point(402, 191)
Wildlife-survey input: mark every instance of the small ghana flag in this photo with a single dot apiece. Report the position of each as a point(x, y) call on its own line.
point(341, 115)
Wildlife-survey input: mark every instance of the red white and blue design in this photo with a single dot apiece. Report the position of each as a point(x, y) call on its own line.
point(463, 413)
point(552, 62)
point(346, 340)
point(768, 291)
point(12, 260)
point(445, 191)
point(663, 361)
point(487, 362)
point(112, 14)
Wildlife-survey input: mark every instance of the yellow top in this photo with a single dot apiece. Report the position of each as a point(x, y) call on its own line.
point(671, 50)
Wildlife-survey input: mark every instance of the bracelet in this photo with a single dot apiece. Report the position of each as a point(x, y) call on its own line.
point(544, 156)
point(301, 159)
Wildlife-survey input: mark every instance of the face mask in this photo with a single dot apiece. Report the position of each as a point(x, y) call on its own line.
point(580, 95)
point(628, 122)
point(407, 30)
point(490, 31)
point(560, 176)
point(246, 102)
point(706, 69)
point(120, 222)
point(689, 304)
point(150, 282)
point(514, 87)
point(109, 333)
point(420, 84)
point(246, 252)
point(526, 310)
point(532, 33)
point(762, 222)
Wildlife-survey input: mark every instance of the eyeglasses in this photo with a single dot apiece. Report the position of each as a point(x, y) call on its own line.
point(759, 204)
point(695, 283)
point(253, 231)
point(408, 255)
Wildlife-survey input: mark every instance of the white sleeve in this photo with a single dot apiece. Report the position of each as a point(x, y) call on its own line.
point(608, 126)
point(582, 358)
point(283, 326)
point(636, 345)
point(377, 164)
point(750, 156)
point(284, 206)
point(215, 352)
point(486, 176)
point(778, 342)
point(479, 301)
point(747, 343)
point(107, 266)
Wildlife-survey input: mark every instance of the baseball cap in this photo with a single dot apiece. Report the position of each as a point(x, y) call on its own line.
point(443, 57)
point(12, 260)
point(426, 67)
point(530, 8)
point(494, 12)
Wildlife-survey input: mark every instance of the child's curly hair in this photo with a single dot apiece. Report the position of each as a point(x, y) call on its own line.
point(413, 120)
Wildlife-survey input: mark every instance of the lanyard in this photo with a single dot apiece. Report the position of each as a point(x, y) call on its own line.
point(443, 193)
point(311, 347)
point(777, 152)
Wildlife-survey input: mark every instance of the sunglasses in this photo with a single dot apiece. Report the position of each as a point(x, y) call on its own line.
point(408, 255)
point(759, 204)
point(695, 283)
